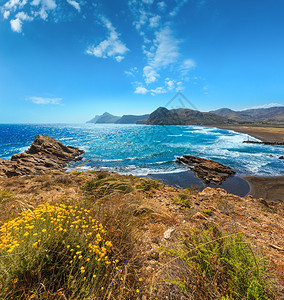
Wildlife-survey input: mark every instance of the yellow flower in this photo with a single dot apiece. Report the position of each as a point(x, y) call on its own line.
point(15, 280)
point(44, 230)
point(94, 276)
point(84, 279)
point(26, 233)
point(35, 245)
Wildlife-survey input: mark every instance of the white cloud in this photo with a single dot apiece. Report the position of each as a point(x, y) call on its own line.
point(23, 16)
point(41, 100)
point(158, 90)
point(187, 65)
point(111, 47)
point(154, 21)
point(141, 90)
point(161, 5)
point(132, 72)
point(16, 25)
point(167, 50)
point(148, 1)
point(176, 10)
point(265, 106)
point(150, 74)
point(75, 4)
point(15, 4)
point(6, 14)
point(170, 84)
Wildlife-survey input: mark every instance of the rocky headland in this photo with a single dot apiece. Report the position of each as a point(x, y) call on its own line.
point(45, 155)
point(207, 170)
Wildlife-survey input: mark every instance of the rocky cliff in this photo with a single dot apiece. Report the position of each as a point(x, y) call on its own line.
point(45, 155)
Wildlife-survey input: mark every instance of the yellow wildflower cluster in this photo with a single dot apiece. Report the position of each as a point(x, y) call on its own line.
point(33, 228)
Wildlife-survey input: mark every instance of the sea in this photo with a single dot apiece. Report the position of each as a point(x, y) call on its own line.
point(144, 150)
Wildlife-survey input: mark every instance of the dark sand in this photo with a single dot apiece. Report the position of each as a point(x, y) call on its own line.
point(268, 188)
point(233, 185)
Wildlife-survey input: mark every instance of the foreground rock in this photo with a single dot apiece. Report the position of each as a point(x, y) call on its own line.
point(208, 170)
point(45, 155)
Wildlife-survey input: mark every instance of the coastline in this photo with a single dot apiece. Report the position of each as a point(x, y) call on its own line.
point(269, 188)
point(266, 134)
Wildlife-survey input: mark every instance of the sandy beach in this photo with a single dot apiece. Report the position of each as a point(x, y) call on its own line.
point(265, 134)
point(268, 188)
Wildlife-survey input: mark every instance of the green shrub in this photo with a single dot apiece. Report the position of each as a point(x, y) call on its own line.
point(51, 250)
point(223, 266)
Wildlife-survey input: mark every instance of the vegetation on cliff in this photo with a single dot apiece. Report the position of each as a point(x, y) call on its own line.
point(150, 240)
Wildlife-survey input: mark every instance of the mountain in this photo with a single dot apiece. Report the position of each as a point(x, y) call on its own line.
point(104, 118)
point(94, 120)
point(132, 119)
point(182, 116)
point(266, 115)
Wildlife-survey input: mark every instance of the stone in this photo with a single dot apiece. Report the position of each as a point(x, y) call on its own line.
point(209, 171)
point(169, 233)
point(45, 155)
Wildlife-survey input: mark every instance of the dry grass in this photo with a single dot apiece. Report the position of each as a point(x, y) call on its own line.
point(135, 214)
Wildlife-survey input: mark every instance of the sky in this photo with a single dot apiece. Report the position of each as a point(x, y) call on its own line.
point(65, 61)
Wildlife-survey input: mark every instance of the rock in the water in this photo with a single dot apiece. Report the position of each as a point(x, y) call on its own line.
point(45, 155)
point(208, 170)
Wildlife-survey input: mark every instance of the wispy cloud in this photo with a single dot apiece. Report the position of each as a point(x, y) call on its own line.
point(110, 47)
point(265, 106)
point(42, 100)
point(187, 65)
point(75, 4)
point(37, 9)
point(141, 90)
point(176, 10)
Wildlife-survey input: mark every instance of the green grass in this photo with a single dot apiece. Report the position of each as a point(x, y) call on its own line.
point(148, 185)
point(5, 196)
point(222, 267)
point(106, 186)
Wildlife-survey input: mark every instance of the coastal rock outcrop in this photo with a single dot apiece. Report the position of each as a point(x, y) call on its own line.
point(207, 170)
point(45, 155)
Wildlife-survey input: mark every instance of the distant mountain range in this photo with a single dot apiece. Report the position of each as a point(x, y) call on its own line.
point(184, 116)
point(108, 118)
point(266, 115)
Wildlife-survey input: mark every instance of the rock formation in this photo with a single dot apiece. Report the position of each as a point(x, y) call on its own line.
point(45, 155)
point(207, 170)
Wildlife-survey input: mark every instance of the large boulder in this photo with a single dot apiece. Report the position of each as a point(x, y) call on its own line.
point(208, 170)
point(45, 155)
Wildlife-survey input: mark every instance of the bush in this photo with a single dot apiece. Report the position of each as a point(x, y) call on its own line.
point(222, 267)
point(51, 250)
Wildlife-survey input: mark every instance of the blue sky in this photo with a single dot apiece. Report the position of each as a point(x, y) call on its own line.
point(68, 60)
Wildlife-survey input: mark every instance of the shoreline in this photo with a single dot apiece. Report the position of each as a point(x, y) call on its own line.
point(264, 133)
point(271, 189)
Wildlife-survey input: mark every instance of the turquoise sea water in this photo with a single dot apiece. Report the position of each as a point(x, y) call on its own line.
point(142, 150)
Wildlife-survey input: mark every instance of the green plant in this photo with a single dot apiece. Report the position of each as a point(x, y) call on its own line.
point(58, 247)
point(106, 186)
point(223, 266)
point(5, 196)
point(183, 199)
point(148, 184)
